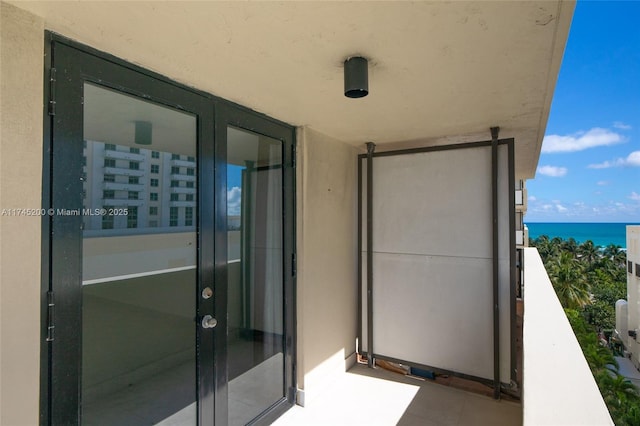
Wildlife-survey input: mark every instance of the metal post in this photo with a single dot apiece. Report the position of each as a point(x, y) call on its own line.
point(370, 149)
point(246, 236)
point(512, 261)
point(496, 294)
point(359, 347)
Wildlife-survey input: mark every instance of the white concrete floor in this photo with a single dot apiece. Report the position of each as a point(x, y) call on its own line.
point(157, 400)
point(378, 397)
point(359, 397)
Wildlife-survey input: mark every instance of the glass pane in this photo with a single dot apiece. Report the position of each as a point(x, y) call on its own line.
point(139, 262)
point(255, 271)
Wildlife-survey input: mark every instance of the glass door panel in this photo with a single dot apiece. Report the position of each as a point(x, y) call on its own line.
point(256, 342)
point(139, 257)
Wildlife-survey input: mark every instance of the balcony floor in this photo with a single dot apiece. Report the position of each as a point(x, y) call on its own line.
point(378, 397)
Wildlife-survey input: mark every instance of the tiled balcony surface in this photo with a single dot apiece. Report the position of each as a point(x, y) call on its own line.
point(377, 397)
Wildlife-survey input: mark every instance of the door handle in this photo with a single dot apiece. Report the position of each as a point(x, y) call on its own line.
point(209, 322)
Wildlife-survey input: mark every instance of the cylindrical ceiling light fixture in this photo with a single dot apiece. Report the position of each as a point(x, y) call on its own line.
point(356, 77)
point(143, 132)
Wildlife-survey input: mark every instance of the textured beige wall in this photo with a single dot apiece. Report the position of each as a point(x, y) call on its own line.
point(21, 79)
point(327, 287)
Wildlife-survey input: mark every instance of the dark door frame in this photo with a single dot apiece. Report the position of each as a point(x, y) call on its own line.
point(68, 65)
point(228, 114)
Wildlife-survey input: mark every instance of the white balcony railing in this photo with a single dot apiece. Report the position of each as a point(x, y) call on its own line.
point(123, 155)
point(116, 186)
point(182, 190)
point(183, 163)
point(519, 238)
point(122, 202)
point(186, 178)
point(182, 203)
point(124, 172)
point(521, 199)
point(558, 387)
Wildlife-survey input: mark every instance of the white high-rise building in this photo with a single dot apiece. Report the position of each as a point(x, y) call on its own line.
point(142, 187)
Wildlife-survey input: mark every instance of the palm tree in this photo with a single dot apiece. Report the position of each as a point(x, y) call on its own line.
point(569, 281)
point(556, 246)
point(589, 252)
point(632, 415)
point(611, 250)
point(570, 245)
point(621, 258)
point(599, 358)
point(607, 266)
point(621, 387)
point(616, 254)
point(616, 390)
point(543, 246)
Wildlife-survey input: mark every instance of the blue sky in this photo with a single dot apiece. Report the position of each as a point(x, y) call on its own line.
point(234, 193)
point(589, 169)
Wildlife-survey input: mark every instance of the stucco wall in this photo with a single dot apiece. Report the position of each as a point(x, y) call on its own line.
point(21, 79)
point(326, 286)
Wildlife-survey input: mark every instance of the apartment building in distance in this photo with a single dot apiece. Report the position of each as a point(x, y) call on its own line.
point(628, 313)
point(156, 189)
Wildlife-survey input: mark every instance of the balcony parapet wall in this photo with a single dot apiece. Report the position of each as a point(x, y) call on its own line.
point(558, 387)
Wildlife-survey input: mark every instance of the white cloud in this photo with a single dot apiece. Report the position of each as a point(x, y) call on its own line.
point(552, 171)
point(587, 211)
point(532, 198)
point(603, 183)
point(632, 160)
point(605, 165)
point(620, 125)
point(234, 197)
point(581, 140)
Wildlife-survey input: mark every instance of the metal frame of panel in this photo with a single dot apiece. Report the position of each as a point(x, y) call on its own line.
point(369, 351)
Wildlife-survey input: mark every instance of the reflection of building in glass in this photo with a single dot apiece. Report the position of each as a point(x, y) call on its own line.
point(157, 189)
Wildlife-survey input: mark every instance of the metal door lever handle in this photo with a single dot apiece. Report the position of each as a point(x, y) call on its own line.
point(209, 322)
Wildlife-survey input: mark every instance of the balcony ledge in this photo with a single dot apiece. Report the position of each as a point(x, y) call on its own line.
point(558, 387)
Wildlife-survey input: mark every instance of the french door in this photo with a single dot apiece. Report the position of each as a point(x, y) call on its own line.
point(170, 295)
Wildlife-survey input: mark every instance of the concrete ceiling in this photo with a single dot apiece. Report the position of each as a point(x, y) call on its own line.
point(440, 72)
point(110, 117)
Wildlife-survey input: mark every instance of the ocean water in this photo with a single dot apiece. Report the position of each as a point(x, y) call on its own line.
point(602, 234)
